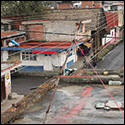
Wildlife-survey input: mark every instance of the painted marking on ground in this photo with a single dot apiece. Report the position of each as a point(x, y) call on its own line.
point(85, 77)
point(65, 117)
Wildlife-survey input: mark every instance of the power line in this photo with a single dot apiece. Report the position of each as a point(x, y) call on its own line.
point(102, 82)
point(77, 35)
point(87, 35)
point(98, 52)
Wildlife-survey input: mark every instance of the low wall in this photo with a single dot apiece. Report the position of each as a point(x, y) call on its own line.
point(88, 79)
point(27, 101)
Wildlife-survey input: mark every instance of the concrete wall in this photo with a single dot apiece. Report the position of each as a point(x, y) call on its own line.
point(8, 83)
point(120, 7)
point(120, 18)
point(107, 39)
point(6, 42)
point(4, 55)
point(66, 27)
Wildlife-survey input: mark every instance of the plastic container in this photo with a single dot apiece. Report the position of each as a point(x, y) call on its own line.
point(115, 82)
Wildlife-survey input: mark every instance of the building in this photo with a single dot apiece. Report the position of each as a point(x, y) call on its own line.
point(42, 50)
point(6, 78)
point(60, 23)
point(115, 25)
point(64, 5)
point(7, 38)
point(87, 4)
point(91, 4)
point(77, 4)
point(82, 14)
point(47, 45)
point(34, 29)
point(113, 6)
point(47, 57)
point(8, 25)
point(98, 4)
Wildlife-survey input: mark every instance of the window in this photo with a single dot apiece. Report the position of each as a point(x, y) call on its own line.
point(81, 28)
point(28, 56)
point(6, 27)
point(86, 6)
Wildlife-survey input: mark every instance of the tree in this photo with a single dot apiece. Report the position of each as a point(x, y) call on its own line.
point(24, 8)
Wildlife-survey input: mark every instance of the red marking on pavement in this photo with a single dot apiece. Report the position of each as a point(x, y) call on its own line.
point(87, 92)
point(65, 117)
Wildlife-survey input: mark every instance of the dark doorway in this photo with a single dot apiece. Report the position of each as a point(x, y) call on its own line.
point(3, 92)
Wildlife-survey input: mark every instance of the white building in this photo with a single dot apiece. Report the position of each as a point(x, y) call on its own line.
point(113, 6)
point(6, 78)
point(47, 57)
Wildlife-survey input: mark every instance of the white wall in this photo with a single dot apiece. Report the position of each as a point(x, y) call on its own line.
point(120, 7)
point(8, 83)
point(49, 61)
point(4, 55)
point(112, 34)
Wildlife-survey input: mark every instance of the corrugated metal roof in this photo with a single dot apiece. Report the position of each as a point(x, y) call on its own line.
point(43, 45)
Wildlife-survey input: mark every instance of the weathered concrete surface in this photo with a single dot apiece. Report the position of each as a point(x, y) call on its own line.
point(89, 79)
point(75, 104)
point(28, 101)
point(99, 72)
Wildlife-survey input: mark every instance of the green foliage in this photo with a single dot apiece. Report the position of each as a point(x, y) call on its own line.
point(23, 8)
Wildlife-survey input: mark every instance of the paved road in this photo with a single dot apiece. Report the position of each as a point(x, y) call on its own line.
point(114, 59)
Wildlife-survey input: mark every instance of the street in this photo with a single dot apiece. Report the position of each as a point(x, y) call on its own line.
point(114, 59)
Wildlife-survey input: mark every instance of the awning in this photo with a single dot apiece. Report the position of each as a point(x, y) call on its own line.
point(44, 52)
point(87, 44)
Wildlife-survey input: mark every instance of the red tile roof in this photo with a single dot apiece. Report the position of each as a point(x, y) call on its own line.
point(112, 18)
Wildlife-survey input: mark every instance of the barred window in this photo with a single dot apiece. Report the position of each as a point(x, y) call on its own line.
point(28, 56)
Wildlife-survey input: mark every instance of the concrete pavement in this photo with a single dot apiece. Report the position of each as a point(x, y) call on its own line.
point(6, 104)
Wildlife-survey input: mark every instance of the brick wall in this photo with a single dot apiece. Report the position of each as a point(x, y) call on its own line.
point(64, 5)
point(89, 4)
point(98, 4)
point(38, 35)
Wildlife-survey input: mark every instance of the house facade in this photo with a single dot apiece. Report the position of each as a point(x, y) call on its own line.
point(115, 24)
point(6, 78)
point(50, 48)
point(113, 6)
point(6, 42)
